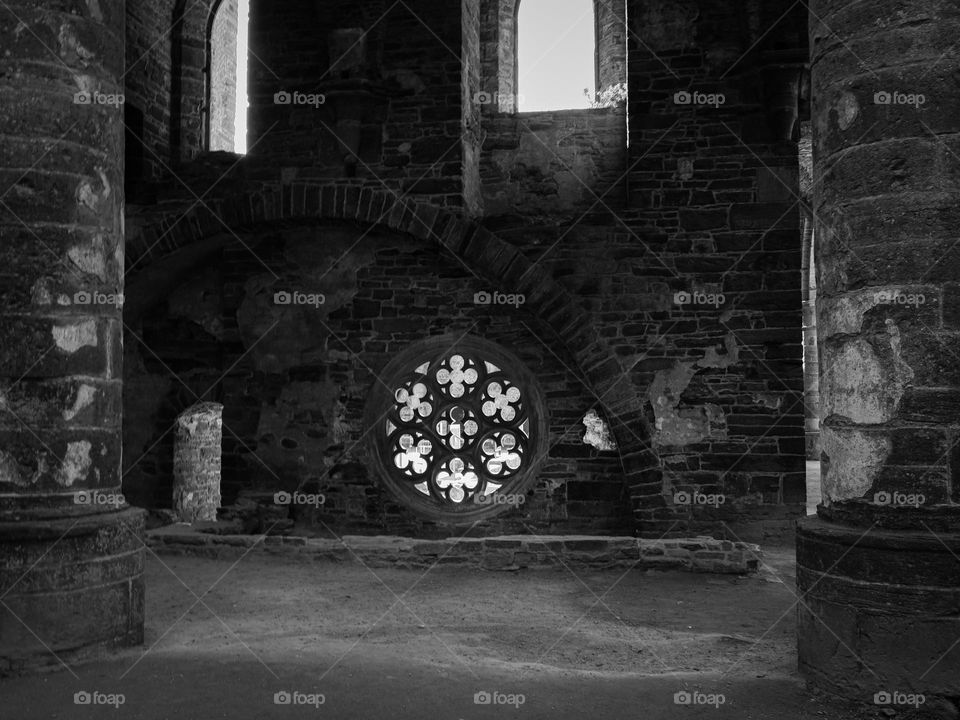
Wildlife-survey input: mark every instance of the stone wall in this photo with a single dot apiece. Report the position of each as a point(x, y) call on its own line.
point(148, 80)
point(547, 169)
point(504, 553)
point(681, 251)
point(713, 251)
point(396, 119)
point(294, 401)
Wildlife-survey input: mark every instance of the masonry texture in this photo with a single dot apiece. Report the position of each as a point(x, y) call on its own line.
point(743, 259)
point(72, 560)
point(705, 400)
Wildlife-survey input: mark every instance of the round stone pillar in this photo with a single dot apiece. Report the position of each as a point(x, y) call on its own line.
point(196, 462)
point(71, 560)
point(878, 568)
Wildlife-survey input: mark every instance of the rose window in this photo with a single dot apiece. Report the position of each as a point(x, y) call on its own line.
point(459, 424)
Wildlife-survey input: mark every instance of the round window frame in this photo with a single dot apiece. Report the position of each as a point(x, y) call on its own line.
point(436, 350)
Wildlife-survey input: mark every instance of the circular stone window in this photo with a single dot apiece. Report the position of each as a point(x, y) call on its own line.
point(457, 427)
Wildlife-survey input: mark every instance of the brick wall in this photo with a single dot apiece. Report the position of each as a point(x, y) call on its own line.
point(701, 204)
point(297, 398)
point(712, 195)
point(396, 119)
point(147, 82)
point(549, 168)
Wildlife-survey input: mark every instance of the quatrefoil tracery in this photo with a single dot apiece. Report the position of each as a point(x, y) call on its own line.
point(459, 428)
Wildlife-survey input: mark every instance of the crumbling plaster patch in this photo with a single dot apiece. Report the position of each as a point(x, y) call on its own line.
point(864, 382)
point(76, 463)
point(854, 459)
point(85, 397)
point(71, 338)
point(597, 434)
point(682, 426)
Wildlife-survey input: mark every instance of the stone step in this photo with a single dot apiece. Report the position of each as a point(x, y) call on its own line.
point(508, 552)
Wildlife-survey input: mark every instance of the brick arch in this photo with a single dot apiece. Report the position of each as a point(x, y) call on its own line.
point(494, 259)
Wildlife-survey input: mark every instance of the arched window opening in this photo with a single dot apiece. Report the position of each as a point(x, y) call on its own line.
point(557, 53)
point(227, 77)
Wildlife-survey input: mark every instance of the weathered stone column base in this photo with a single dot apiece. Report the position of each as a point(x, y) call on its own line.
point(880, 613)
point(74, 583)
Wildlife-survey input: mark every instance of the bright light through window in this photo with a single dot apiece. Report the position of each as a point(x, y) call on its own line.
point(556, 54)
point(240, 123)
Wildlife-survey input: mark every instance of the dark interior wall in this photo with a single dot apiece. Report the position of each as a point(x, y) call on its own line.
point(148, 79)
point(713, 197)
point(392, 109)
point(294, 400)
point(699, 204)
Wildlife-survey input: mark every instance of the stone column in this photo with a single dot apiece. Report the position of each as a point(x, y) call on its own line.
point(71, 559)
point(878, 569)
point(196, 462)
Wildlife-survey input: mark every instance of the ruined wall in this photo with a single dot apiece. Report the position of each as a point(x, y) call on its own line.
point(690, 262)
point(548, 169)
point(148, 81)
point(389, 109)
point(684, 247)
point(294, 400)
point(713, 194)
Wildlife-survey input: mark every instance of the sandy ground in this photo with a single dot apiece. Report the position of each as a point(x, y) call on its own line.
point(408, 644)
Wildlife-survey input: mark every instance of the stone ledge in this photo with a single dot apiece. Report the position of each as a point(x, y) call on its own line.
point(507, 552)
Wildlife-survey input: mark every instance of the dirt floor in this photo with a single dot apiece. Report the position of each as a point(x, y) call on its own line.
point(407, 644)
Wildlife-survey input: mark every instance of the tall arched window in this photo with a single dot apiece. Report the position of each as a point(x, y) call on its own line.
point(227, 77)
point(556, 48)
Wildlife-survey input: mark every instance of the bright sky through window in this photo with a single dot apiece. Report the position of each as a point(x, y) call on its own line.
point(240, 126)
point(556, 45)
